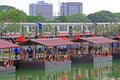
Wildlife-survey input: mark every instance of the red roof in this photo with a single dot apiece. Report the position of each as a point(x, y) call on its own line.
point(20, 39)
point(53, 42)
point(7, 44)
point(98, 40)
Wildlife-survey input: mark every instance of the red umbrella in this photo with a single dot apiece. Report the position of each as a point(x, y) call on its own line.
point(77, 37)
point(118, 35)
point(21, 39)
point(42, 37)
point(93, 35)
point(63, 37)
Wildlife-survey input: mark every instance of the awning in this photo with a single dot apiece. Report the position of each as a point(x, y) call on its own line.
point(20, 39)
point(98, 40)
point(7, 44)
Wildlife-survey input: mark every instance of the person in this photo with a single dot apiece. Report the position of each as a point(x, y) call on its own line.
point(1, 52)
point(30, 52)
point(42, 49)
point(90, 49)
point(16, 51)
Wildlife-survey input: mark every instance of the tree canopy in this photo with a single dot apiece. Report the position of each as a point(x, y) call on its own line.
point(101, 16)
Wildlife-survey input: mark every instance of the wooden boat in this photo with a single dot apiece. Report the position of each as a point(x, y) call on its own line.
point(45, 60)
point(93, 49)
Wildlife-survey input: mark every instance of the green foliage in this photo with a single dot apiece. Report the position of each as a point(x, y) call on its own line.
point(11, 28)
point(5, 8)
point(77, 18)
point(13, 15)
point(38, 18)
point(117, 17)
point(61, 19)
point(102, 16)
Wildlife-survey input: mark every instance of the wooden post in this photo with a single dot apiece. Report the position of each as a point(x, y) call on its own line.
point(56, 54)
point(45, 54)
point(9, 58)
point(33, 51)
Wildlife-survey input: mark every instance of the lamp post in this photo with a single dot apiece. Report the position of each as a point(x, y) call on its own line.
point(70, 31)
point(56, 30)
point(1, 31)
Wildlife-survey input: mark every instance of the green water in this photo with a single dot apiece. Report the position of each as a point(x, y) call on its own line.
point(101, 71)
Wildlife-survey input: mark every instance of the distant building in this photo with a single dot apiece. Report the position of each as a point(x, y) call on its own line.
point(42, 8)
point(71, 8)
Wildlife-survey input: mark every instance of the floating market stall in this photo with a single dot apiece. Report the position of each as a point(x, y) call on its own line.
point(46, 53)
point(93, 49)
point(7, 64)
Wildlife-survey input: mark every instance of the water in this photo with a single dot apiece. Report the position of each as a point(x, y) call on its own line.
point(84, 71)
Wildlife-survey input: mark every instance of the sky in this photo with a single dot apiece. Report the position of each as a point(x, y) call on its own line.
point(89, 6)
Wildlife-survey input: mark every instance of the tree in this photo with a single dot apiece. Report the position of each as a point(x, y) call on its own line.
point(117, 17)
point(61, 19)
point(13, 15)
point(38, 18)
point(5, 8)
point(77, 18)
point(102, 16)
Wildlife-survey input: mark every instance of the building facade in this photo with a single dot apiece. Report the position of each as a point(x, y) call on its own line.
point(45, 9)
point(71, 8)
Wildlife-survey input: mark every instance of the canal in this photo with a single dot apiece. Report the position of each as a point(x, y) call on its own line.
point(83, 71)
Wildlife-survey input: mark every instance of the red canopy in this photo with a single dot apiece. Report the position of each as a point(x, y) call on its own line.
point(118, 35)
point(42, 37)
point(20, 39)
point(77, 37)
point(63, 37)
point(93, 35)
point(7, 44)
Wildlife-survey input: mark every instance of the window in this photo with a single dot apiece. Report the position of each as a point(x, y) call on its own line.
point(63, 28)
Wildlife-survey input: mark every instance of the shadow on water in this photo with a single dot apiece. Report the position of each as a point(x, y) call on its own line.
point(82, 71)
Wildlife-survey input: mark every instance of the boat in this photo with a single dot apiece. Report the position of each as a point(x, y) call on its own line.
point(93, 49)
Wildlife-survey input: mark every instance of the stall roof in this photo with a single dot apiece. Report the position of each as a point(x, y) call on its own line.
point(53, 42)
point(98, 40)
point(7, 44)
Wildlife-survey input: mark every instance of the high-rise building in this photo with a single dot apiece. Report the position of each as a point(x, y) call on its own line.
point(42, 8)
point(71, 8)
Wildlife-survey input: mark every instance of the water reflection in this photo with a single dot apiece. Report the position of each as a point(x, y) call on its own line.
point(7, 76)
point(88, 71)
